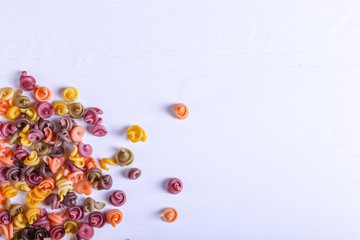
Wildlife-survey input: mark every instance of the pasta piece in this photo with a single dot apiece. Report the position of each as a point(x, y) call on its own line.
point(105, 161)
point(64, 186)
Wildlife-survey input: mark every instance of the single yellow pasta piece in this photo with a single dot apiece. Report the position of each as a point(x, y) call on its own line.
point(32, 215)
point(32, 160)
point(60, 108)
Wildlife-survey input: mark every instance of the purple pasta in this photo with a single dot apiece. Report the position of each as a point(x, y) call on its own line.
point(5, 217)
point(59, 143)
point(21, 122)
point(45, 171)
point(67, 123)
point(33, 179)
point(57, 232)
point(85, 150)
point(3, 177)
point(70, 199)
point(20, 153)
point(105, 182)
point(64, 135)
point(56, 152)
point(27, 83)
point(71, 166)
point(76, 213)
point(134, 173)
point(46, 123)
point(96, 219)
point(85, 231)
point(26, 171)
point(36, 134)
point(40, 233)
point(98, 130)
point(54, 201)
point(45, 110)
point(7, 129)
point(117, 198)
point(43, 221)
point(13, 173)
point(91, 116)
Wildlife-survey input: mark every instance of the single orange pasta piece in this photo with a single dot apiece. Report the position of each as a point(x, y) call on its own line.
point(114, 217)
point(42, 94)
point(84, 186)
point(90, 162)
point(75, 176)
point(48, 183)
point(4, 106)
point(181, 111)
point(56, 218)
point(77, 133)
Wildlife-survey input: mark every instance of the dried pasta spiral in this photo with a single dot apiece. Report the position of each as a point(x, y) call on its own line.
point(19, 221)
point(76, 110)
point(77, 158)
point(60, 108)
point(90, 205)
point(32, 160)
point(22, 186)
point(70, 227)
point(9, 191)
point(32, 215)
point(63, 186)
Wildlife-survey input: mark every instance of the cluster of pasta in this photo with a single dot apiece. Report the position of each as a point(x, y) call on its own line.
point(48, 161)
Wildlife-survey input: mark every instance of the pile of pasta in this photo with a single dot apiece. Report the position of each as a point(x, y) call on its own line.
point(45, 157)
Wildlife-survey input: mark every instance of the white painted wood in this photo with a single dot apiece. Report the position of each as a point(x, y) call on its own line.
point(271, 146)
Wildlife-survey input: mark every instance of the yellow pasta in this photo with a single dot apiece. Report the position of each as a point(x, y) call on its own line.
point(13, 113)
point(19, 221)
point(9, 191)
point(71, 94)
point(77, 158)
point(70, 227)
point(36, 196)
point(26, 129)
point(31, 203)
point(6, 93)
point(60, 108)
point(64, 186)
point(60, 174)
point(32, 215)
point(32, 160)
point(105, 161)
point(31, 114)
point(22, 186)
point(24, 140)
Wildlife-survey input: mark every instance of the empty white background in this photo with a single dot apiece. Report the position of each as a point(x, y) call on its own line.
point(271, 147)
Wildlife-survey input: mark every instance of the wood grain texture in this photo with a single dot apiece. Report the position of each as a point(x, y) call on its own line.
point(270, 147)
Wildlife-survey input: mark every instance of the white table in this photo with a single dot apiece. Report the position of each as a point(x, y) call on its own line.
point(270, 150)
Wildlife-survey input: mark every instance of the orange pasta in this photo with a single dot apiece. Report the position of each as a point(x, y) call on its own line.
point(2, 199)
point(75, 176)
point(7, 156)
point(90, 162)
point(55, 163)
point(77, 133)
point(48, 183)
point(170, 215)
point(42, 94)
point(114, 217)
point(7, 231)
point(4, 106)
point(84, 186)
point(56, 218)
point(50, 136)
point(181, 111)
